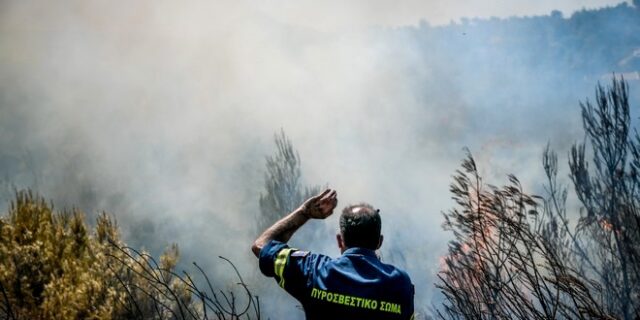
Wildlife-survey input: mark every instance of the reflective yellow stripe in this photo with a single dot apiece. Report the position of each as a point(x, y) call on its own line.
point(280, 263)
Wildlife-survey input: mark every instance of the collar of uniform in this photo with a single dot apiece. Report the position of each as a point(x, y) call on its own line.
point(360, 251)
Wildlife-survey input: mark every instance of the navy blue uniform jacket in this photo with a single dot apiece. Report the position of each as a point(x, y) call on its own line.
point(357, 285)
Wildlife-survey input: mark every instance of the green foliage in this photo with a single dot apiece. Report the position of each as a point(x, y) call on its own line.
point(52, 266)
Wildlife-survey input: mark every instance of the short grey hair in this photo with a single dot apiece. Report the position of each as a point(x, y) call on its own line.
point(360, 226)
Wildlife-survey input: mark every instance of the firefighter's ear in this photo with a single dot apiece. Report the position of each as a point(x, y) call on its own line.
point(380, 242)
point(340, 243)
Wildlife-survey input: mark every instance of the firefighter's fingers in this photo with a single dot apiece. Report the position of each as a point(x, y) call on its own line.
point(321, 195)
point(334, 199)
point(331, 195)
point(324, 193)
point(331, 199)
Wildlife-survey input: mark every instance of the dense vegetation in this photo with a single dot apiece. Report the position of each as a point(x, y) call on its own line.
point(52, 266)
point(589, 42)
point(507, 70)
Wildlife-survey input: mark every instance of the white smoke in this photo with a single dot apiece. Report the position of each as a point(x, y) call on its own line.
point(161, 112)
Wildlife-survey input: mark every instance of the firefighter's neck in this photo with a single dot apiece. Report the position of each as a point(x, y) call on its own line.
point(343, 247)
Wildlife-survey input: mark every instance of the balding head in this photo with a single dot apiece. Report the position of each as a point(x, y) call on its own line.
point(360, 226)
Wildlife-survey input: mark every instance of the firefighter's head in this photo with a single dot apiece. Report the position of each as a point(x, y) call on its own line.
point(360, 227)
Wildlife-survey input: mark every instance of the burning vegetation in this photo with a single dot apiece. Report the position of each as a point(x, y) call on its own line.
point(516, 255)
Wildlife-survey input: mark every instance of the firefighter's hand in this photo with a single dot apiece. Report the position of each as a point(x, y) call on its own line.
point(320, 206)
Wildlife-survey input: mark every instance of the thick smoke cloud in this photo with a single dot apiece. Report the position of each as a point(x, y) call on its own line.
point(162, 113)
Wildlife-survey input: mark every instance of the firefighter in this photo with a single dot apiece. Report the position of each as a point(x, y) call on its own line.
point(356, 285)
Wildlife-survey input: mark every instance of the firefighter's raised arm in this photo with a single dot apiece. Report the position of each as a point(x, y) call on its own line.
point(318, 207)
